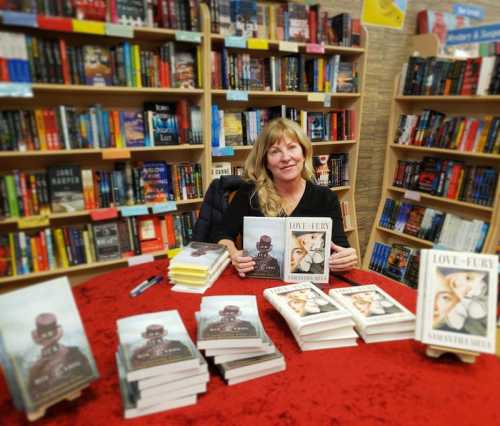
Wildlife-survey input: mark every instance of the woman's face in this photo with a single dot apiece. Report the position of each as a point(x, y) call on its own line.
point(443, 303)
point(285, 160)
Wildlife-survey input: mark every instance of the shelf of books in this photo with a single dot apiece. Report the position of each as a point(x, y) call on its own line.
point(104, 157)
point(305, 63)
point(440, 186)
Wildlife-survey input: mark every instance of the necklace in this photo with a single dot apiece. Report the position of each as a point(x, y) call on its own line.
point(290, 201)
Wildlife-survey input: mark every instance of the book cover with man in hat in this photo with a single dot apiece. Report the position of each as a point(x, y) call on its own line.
point(45, 352)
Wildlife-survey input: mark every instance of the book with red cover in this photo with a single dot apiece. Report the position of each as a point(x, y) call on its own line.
point(149, 232)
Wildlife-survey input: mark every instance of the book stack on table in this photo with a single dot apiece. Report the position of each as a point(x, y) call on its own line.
point(159, 367)
point(197, 267)
point(315, 320)
point(378, 317)
point(230, 331)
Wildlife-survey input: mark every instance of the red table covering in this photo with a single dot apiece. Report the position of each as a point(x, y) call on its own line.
point(391, 383)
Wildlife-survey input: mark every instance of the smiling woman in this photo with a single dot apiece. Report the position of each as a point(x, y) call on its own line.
point(280, 182)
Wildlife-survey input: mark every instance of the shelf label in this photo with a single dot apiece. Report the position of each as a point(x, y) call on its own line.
point(480, 34)
point(258, 43)
point(55, 23)
point(33, 221)
point(117, 30)
point(169, 206)
point(189, 36)
point(315, 48)
point(288, 46)
point(440, 246)
point(16, 90)
point(328, 100)
point(236, 95)
point(115, 154)
point(103, 214)
point(88, 27)
point(173, 252)
point(235, 41)
point(139, 210)
point(139, 260)
point(222, 151)
point(316, 97)
point(412, 195)
point(20, 19)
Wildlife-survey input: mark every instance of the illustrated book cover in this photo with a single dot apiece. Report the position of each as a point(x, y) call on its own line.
point(305, 307)
point(457, 299)
point(292, 248)
point(44, 350)
point(97, 66)
point(155, 343)
point(132, 124)
point(65, 188)
point(106, 240)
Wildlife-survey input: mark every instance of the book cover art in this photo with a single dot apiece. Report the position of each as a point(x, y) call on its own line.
point(264, 241)
point(370, 305)
point(129, 12)
point(308, 242)
point(244, 18)
point(457, 307)
point(198, 255)
point(316, 126)
point(229, 318)
point(298, 26)
point(106, 240)
point(322, 169)
point(149, 233)
point(97, 65)
point(156, 178)
point(65, 188)
point(185, 70)
point(346, 78)
point(144, 342)
point(233, 128)
point(133, 128)
point(397, 262)
point(163, 125)
point(45, 343)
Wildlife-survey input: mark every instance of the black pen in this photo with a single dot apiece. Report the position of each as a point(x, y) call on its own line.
point(143, 286)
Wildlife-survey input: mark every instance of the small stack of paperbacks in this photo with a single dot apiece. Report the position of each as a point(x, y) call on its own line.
point(44, 351)
point(159, 367)
point(197, 267)
point(316, 321)
point(230, 330)
point(378, 317)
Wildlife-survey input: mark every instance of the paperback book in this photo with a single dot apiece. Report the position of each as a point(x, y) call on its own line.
point(457, 300)
point(65, 188)
point(97, 61)
point(44, 351)
point(294, 249)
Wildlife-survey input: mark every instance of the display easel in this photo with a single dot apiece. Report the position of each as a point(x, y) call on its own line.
point(38, 414)
point(464, 356)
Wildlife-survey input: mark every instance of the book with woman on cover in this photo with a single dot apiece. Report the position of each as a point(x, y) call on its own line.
point(44, 351)
point(306, 308)
point(292, 248)
point(457, 299)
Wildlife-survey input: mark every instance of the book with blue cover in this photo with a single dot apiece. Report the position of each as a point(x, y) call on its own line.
point(157, 182)
point(162, 123)
point(132, 124)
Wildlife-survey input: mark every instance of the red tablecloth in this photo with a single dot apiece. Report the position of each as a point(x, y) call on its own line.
point(390, 383)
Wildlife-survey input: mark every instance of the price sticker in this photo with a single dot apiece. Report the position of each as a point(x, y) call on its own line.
point(169, 206)
point(235, 41)
point(412, 195)
point(188, 36)
point(139, 210)
point(237, 95)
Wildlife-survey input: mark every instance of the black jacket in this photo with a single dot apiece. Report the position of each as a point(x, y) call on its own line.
point(213, 207)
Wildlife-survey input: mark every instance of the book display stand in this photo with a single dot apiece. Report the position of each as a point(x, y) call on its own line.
point(464, 356)
point(451, 105)
point(38, 414)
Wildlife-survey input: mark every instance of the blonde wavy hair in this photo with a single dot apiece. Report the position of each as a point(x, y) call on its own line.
point(256, 170)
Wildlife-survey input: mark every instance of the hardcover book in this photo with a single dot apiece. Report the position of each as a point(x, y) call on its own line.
point(97, 65)
point(65, 188)
point(162, 122)
point(146, 350)
point(156, 176)
point(44, 351)
point(306, 308)
point(132, 123)
point(457, 299)
point(106, 240)
point(301, 247)
point(185, 70)
point(198, 257)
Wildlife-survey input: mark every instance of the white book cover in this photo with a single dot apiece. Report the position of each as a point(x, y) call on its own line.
point(264, 241)
point(198, 256)
point(229, 321)
point(325, 344)
point(457, 307)
point(485, 74)
point(371, 306)
point(256, 374)
point(304, 306)
point(155, 343)
point(44, 350)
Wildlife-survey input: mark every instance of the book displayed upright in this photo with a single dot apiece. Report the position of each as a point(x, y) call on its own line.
point(457, 300)
point(44, 351)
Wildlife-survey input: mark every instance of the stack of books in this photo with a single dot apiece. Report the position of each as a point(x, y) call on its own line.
point(378, 317)
point(159, 367)
point(316, 321)
point(230, 330)
point(197, 267)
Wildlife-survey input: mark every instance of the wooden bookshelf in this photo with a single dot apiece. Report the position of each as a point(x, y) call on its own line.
point(451, 105)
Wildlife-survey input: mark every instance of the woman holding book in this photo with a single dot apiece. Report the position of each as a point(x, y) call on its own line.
point(280, 182)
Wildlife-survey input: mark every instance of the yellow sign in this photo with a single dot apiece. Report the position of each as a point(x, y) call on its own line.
point(316, 96)
point(89, 27)
point(258, 43)
point(173, 252)
point(33, 222)
point(115, 154)
point(384, 13)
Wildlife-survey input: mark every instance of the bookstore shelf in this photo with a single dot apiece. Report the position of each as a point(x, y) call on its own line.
point(406, 236)
point(113, 90)
point(453, 98)
point(275, 94)
point(453, 152)
point(445, 200)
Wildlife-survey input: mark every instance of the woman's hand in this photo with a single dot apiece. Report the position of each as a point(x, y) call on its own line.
point(342, 258)
point(242, 262)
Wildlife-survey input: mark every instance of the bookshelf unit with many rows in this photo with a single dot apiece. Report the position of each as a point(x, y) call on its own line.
point(471, 201)
point(110, 98)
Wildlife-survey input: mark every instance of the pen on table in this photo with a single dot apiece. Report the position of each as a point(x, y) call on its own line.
point(144, 285)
